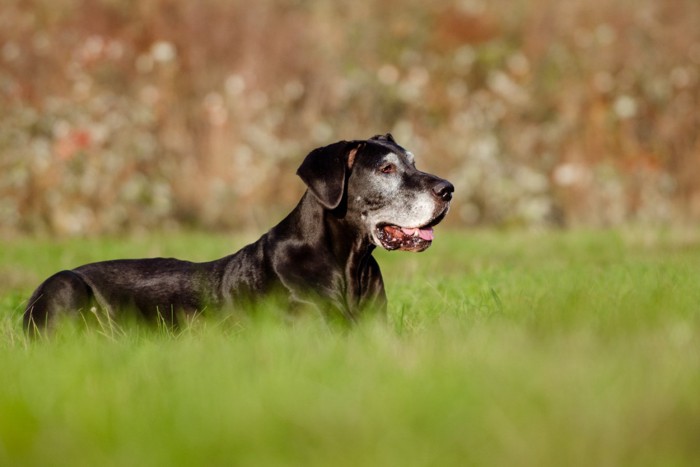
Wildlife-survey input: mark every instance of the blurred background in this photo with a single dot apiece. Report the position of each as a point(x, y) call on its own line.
point(124, 115)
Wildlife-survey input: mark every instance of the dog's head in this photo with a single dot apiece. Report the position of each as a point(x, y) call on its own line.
point(374, 184)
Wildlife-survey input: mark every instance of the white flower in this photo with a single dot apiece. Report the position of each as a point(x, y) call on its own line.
point(163, 51)
point(625, 107)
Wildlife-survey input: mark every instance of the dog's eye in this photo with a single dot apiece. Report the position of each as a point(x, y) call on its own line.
point(387, 168)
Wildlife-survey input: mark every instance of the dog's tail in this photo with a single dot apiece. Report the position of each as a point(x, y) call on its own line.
point(63, 293)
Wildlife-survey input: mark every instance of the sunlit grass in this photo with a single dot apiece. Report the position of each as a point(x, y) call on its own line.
point(500, 349)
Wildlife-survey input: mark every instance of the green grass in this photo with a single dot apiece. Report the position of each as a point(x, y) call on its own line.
point(507, 349)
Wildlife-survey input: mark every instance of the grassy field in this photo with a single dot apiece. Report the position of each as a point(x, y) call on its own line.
point(507, 349)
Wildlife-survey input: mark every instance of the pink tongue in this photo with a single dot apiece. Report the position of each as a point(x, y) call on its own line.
point(425, 234)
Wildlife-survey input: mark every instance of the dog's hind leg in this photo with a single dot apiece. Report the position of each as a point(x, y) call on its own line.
point(64, 293)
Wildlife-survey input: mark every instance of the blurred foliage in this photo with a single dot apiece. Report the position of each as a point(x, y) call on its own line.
point(120, 115)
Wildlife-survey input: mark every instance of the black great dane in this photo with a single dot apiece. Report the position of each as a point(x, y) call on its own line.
point(361, 194)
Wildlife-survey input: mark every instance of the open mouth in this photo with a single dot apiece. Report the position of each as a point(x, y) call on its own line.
point(394, 237)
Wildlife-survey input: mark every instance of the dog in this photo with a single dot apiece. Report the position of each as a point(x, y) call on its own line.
point(360, 194)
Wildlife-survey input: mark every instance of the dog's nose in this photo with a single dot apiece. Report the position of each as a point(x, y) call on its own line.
point(444, 190)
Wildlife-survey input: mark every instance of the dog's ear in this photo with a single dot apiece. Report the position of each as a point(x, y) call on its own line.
point(324, 171)
point(387, 137)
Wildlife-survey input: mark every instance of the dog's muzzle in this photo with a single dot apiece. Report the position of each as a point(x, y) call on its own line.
point(394, 237)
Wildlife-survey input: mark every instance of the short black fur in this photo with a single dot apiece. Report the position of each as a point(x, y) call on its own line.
point(319, 256)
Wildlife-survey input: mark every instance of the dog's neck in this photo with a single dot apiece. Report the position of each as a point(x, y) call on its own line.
point(325, 244)
point(348, 247)
point(336, 229)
